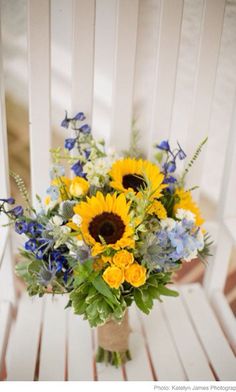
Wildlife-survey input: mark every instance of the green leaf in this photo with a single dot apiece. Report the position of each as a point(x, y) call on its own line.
point(103, 289)
point(139, 301)
point(22, 269)
point(163, 290)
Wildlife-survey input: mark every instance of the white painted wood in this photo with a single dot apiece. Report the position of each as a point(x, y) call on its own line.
point(6, 272)
point(216, 271)
point(83, 14)
point(189, 348)
point(53, 342)
point(210, 334)
point(104, 63)
point(230, 224)
point(24, 339)
point(125, 50)
point(146, 48)
point(205, 82)
point(226, 206)
point(162, 347)
point(5, 318)
point(225, 316)
point(165, 73)
point(138, 369)
point(80, 352)
point(7, 276)
point(39, 93)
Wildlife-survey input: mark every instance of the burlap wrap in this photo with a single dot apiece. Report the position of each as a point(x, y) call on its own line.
point(113, 336)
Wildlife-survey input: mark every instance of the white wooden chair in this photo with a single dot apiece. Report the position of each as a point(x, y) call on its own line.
point(192, 337)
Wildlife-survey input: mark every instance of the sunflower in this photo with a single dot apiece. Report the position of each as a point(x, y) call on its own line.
point(186, 202)
point(105, 222)
point(129, 174)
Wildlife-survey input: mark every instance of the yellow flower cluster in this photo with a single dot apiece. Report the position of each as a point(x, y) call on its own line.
point(68, 188)
point(124, 268)
point(186, 202)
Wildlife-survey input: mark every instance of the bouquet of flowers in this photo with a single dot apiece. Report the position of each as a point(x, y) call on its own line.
point(111, 234)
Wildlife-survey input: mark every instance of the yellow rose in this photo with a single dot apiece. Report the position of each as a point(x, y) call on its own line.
point(123, 258)
point(135, 274)
point(113, 276)
point(78, 187)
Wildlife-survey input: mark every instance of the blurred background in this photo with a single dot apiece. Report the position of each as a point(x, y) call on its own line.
point(14, 35)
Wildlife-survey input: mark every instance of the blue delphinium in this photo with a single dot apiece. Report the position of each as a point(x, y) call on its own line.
point(21, 226)
point(169, 164)
point(85, 129)
point(70, 143)
point(9, 200)
point(35, 228)
point(31, 245)
point(77, 168)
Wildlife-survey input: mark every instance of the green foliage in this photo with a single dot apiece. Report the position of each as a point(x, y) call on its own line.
point(153, 289)
point(96, 308)
point(192, 160)
point(134, 150)
point(206, 252)
point(22, 189)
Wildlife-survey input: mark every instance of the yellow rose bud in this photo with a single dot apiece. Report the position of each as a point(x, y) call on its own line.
point(135, 274)
point(78, 187)
point(113, 276)
point(123, 259)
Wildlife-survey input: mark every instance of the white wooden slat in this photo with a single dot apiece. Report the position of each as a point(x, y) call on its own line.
point(226, 206)
point(83, 13)
point(53, 342)
point(190, 351)
point(24, 340)
point(125, 50)
point(104, 62)
point(165, 73)
point(80, 353)
point(138, 369)
point(6, 272)
point(210, 333)
point(7, 277)
point(225, 316)
point(107, 373)
point(39, 93)
point(162, 347)
point(230, 224)
point(5, 318)
point(216, 272)
point(205, 81)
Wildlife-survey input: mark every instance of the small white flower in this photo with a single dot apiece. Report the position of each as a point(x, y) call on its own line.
point(191, 256)
point(65, 229)
point(77, 220)
point(56, 220)
point(185, 214)
point(167, 224)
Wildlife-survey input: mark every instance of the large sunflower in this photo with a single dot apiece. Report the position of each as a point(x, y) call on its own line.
point(129, 174)
point(105, 218)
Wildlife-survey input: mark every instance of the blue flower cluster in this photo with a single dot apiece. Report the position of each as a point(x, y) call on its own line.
point(177, 243)
point(41, 245)
point(12, 213)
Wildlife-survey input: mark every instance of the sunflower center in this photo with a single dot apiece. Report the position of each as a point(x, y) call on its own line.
point(108, 226)
point(134, 181)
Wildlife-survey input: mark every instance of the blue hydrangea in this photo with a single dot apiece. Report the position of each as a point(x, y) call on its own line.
point(53, 192)
point(177, 243)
